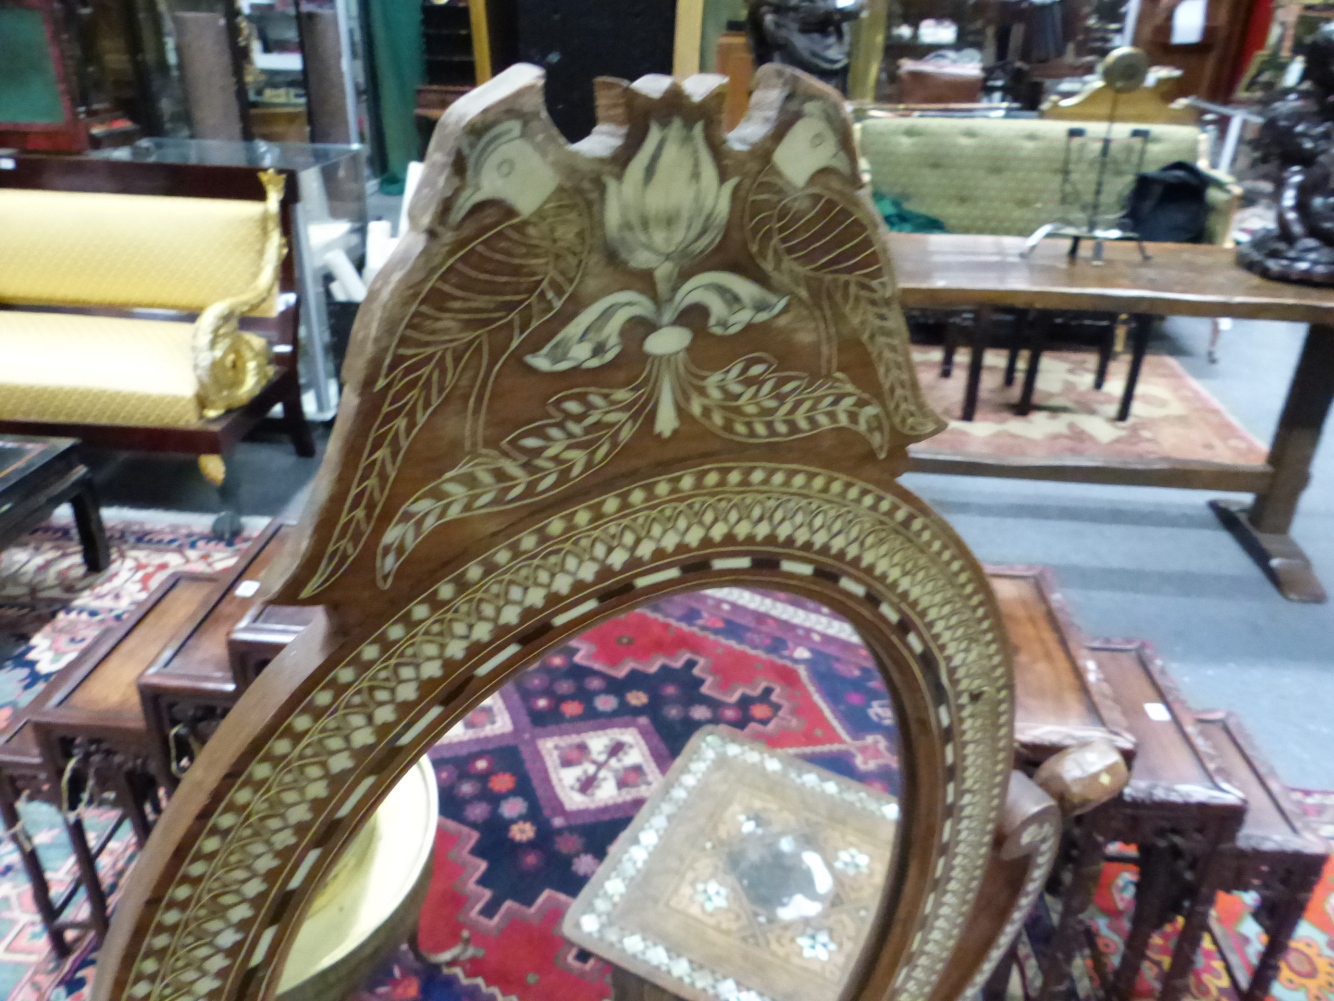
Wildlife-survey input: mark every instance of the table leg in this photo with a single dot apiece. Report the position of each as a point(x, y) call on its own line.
point(1105, 350)
point(625, 986)
point(1021, 322)
point(130, 800)
point(88, 521)
point(1153, 891)
point(1263, 529)
point(1037, 342)
point(1176, 979)
point(92, 882)
point(1143, 330)
point(1066, 939)
point(32, 865)
point(981, 336)
point(1280, 933)
point(997, 987)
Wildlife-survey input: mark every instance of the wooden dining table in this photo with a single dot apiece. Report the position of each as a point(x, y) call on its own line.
point(968, 271)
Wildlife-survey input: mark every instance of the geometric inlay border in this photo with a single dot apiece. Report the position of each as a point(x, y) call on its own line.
point(250, 867)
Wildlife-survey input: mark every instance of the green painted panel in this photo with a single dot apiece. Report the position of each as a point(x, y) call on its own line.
point(29, 89)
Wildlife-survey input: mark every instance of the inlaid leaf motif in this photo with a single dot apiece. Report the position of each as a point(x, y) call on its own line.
point(587, 427)
point(593, 338)
point(733, 302)
point(750, 401)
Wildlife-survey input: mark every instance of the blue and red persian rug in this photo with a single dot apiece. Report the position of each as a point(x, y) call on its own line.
point(538, 781)
point(50, 608)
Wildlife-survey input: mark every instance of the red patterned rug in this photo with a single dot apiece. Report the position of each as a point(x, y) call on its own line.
point(1173, 416)
point(538, 781)
point(50, 608)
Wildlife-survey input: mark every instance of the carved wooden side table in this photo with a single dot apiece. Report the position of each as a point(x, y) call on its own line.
point(91, 730)
point(24, 776)
point(82, 715)
point(190, 686)
point(1275, 855)
point(1178, 809)
point(747, 873)
point(262, 633)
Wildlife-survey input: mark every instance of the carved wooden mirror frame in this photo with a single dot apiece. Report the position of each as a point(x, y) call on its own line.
point(662, 358)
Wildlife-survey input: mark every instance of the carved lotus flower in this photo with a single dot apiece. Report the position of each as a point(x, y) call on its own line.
point(670, 205)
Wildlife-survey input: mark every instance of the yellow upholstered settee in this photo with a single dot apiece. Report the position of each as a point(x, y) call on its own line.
point(146, 306)
point(1003, 176)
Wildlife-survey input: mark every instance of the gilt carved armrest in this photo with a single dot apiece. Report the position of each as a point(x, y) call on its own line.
point(231, 366)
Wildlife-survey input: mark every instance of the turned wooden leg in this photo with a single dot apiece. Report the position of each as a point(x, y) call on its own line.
point(223, 474)
point(1263, 529)
point(981, 335)
point(1021, 321)
point(88, 522)
point(1140, 337)
point(1037, 344)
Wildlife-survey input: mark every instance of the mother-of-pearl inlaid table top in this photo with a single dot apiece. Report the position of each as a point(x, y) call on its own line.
point(749, 875)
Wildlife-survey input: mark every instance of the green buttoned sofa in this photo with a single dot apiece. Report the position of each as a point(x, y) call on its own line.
point(1002, 176)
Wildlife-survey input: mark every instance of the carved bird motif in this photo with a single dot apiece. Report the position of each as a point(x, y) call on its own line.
point(813, 233)
point(513, 275)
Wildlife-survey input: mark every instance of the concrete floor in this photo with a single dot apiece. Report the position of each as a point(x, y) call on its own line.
point(1132, 561)
point(1155, 564)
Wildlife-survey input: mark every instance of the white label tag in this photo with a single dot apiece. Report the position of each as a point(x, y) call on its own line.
point(246, 589)
point(1158, 712)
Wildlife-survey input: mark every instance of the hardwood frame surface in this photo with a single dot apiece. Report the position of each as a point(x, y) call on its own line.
point(422, 623)
point(981, 272)
point(216, 436)
point(50, 474)
point(1061, 698)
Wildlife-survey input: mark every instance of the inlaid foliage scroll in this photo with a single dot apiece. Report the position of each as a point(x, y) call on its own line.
point(671, 285)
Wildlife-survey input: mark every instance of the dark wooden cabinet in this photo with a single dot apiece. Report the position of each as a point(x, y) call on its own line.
point(1209, 67)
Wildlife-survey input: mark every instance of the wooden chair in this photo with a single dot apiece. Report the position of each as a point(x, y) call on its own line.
point(661, 359)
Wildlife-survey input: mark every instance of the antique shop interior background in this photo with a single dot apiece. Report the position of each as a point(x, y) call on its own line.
point(1111, 227)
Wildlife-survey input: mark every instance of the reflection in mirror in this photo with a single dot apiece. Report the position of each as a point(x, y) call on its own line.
point(701, 790)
